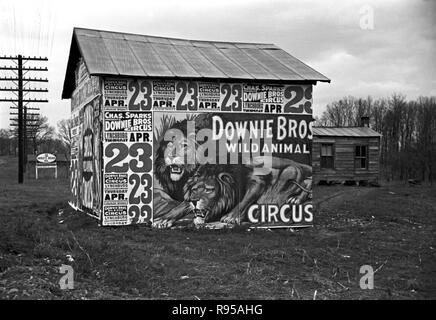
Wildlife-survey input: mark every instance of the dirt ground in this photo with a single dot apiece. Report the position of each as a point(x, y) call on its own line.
point(390, 228)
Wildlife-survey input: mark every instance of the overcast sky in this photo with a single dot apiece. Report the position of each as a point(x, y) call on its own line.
point(396, 55)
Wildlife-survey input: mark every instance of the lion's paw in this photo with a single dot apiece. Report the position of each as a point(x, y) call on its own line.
point(163, 224)
point(231, 219)
point(294, 200)
point(300, 198)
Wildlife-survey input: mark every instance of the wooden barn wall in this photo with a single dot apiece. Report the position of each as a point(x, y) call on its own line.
point(344, 152)
point(86, 157)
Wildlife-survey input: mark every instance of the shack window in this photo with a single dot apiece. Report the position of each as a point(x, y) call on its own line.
point(361, 157)
point(327, 157)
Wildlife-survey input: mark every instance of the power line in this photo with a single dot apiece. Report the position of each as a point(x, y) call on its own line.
point(24, 90)
point(24, 69)
point(28, 108)
point(23, 100)
point(34, 58)
point(24, 79)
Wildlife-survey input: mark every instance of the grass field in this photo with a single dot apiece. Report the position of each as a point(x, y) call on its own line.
point(391, 228)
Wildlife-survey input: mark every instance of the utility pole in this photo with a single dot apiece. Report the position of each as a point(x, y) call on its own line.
point(26, 138)
point(20, 121)
point(20, 90)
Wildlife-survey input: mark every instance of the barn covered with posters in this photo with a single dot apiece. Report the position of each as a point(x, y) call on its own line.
point(174, 132)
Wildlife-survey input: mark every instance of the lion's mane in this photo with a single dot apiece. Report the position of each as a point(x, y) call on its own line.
point(162, 172)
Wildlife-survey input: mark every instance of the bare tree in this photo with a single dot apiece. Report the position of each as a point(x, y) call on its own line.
point(64, 133)
point(38, 131)
point(7, 142)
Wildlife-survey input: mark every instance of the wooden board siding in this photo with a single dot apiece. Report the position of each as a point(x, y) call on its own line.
point(344, 152)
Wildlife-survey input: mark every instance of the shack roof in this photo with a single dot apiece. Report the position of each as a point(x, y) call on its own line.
point(364, 132)
point(123, 54)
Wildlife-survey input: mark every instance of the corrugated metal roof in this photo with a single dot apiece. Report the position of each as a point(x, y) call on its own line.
point(345, 132)
point(123, 54)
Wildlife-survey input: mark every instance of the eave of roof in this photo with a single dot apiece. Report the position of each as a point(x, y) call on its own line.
point(133, 55)
point(363, 132)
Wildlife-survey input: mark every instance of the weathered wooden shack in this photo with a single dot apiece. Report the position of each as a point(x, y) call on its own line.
point(346, 154)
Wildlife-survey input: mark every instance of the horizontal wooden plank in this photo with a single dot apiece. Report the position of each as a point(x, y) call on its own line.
point(347, 142)
point(343, 174)
point(344, 171)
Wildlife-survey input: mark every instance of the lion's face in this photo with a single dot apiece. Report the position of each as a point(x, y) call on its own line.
point(202, 197)
point(179, 154)
point(210, 193)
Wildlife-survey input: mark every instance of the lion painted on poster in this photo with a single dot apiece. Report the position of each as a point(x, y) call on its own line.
point(220, 192)
point(171, 168)
point(226, 192)
point(272, 180)
point(209, 193)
